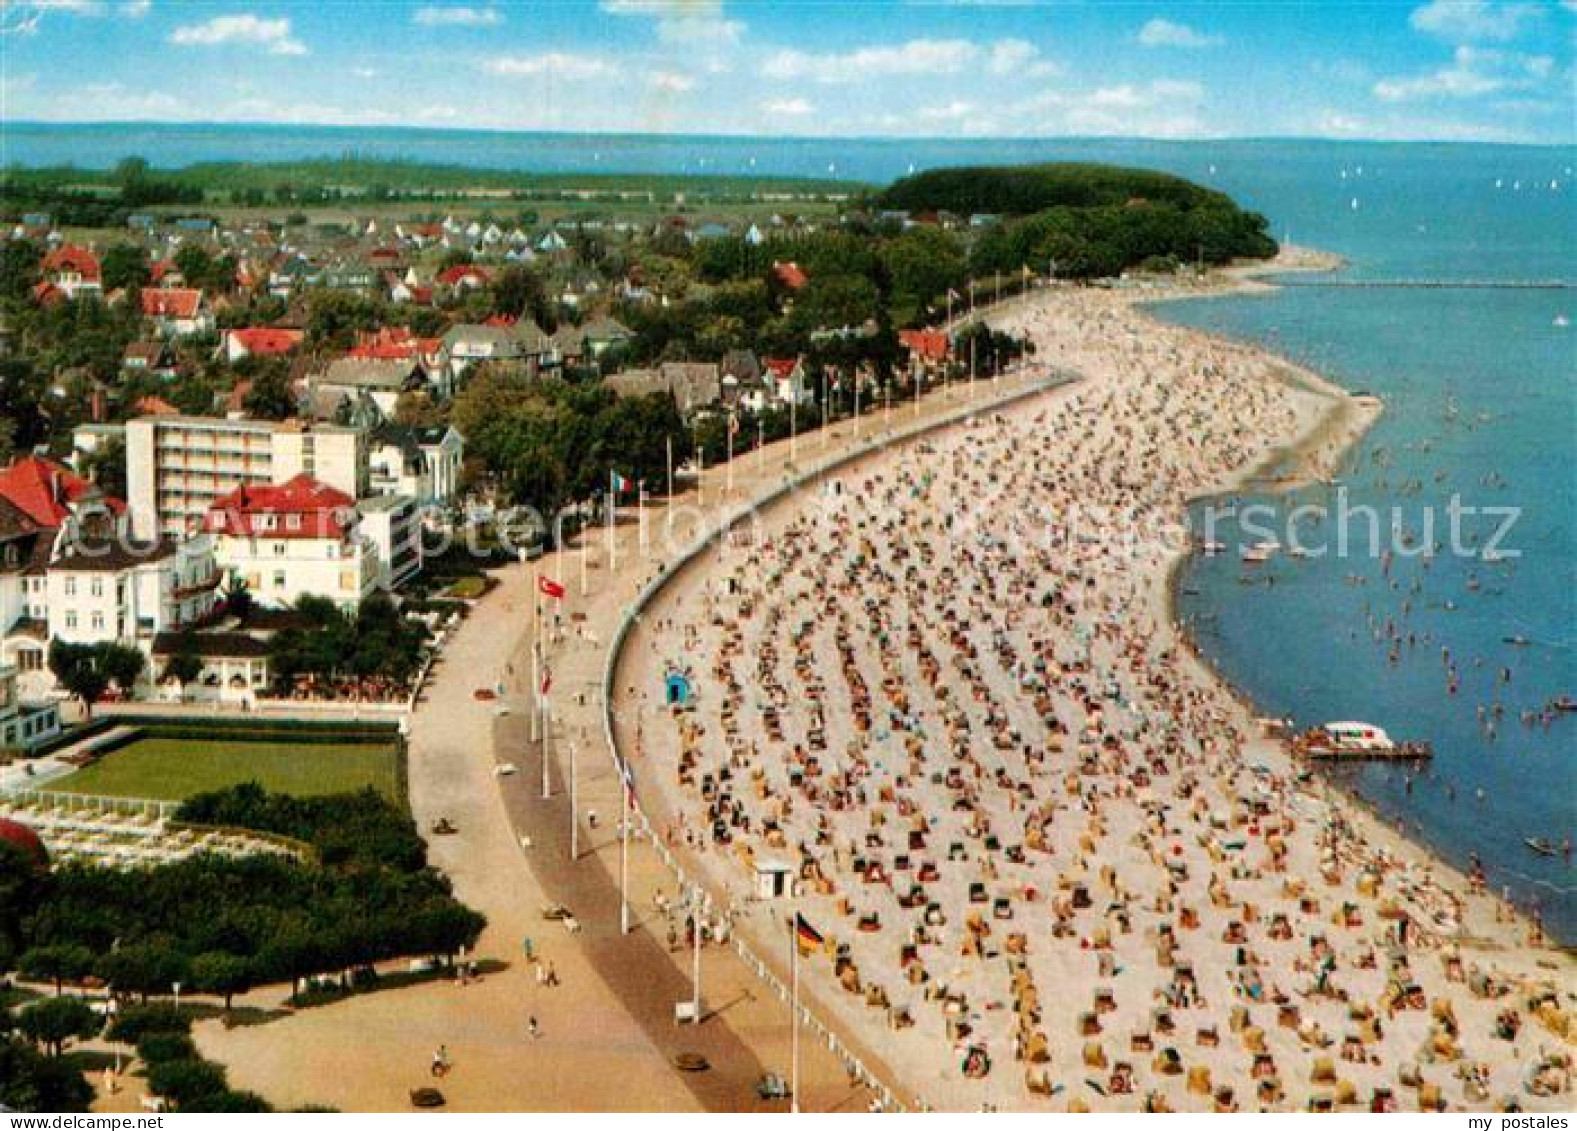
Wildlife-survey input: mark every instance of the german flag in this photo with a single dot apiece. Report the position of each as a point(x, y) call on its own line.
point(808, 938)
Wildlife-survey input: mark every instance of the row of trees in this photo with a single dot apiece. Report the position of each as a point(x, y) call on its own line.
point(374, 643)
point(549, 443)
point(222, 925)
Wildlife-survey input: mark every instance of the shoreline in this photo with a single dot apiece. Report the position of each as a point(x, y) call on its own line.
point(1308, 457)
point(1332, 421)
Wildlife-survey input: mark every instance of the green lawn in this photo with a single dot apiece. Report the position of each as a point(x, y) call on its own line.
point(176, 768)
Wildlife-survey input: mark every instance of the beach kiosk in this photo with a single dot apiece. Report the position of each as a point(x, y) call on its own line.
point(774, 879)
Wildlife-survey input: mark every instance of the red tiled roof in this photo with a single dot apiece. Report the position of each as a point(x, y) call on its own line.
point(154, 406)
point(265, 341)
point(462, 271)
point(932, 345)
point(70, 257)
point(162, 267)
point(44, 490)
point(171, 302)
point(790, 275)
point(390, 343)
point(302, 508)
point(781, 367)
point(47, 294)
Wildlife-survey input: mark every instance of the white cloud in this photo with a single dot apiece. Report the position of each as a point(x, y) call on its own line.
point(682, 22)
point(672, 82)
point(916, 57)
point(272, 35)
point(1020, 58)
point(1461, 21)
point(693, 30)
point(1166, 33)
point(1168, 108)
point(787, 107)
point(956, 111)
point(1473, 73)
point(436, 16)
point(135, 9)
point(551, 64)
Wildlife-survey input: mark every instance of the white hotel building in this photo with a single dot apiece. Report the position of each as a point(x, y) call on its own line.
point(177, 467)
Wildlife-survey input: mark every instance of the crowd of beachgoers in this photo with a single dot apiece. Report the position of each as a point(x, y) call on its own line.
point(1053, 860)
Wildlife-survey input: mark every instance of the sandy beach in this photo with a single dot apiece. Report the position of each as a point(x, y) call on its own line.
point(901, 649)
point(1055, 861)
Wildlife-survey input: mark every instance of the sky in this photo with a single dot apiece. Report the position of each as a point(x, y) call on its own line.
point(1492, 70)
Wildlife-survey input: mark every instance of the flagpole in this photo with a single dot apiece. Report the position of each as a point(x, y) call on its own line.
point(695, 955)
point(612, 553)
point(793, 425)
point(640, 513)
point(536, 660)
point(794, 1041)
point(574, 807)
point(668, 452)
point(542, 718)
point(732, 424)
point(585, 539)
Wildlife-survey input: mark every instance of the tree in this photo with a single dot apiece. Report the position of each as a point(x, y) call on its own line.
point(19, 260)
point(30, 1081)
point(217, 972)
point(53, 1022)
point(58, 963)
point(106, 467)
point(185, 666)
point(24, 885)
point(124, 265)
point(186, 1083)
point(271, 397)
point(122, 663)
point(74, 667)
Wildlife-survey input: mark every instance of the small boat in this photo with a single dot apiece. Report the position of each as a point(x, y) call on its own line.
point(1542, 846)
point(1517, 641)
point(1259, 552)
point(1561, 321)
point(1564, 703)
point(1211, 549)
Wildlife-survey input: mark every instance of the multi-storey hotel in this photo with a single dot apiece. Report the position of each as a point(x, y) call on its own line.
point(177, 467)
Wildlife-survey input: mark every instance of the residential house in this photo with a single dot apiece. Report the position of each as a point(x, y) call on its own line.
point(695, 385)
point(420, 463)
point(155, 358)
point(521, 341)
point(928, 350)
point(348, 379)
point(177, 312)
point(73, 271)
point(259, 341)
point(112, 590)
point(605, 336)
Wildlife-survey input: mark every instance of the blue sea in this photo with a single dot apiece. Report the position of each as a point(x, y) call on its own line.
point(1480, 403)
